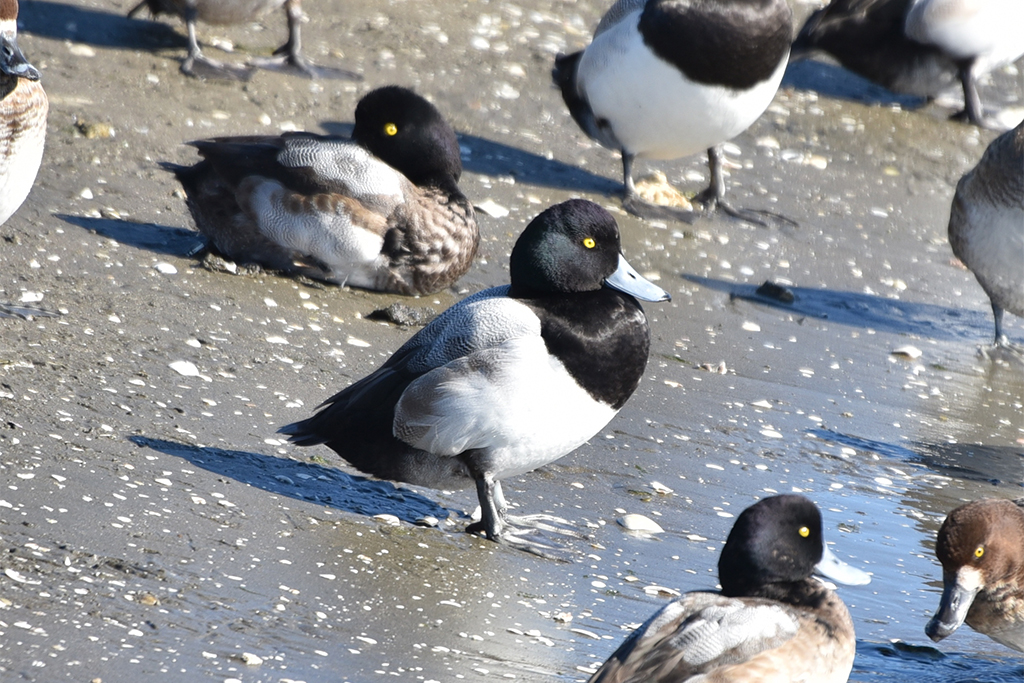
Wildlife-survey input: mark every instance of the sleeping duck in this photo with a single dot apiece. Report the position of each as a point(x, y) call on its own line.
point(665, 79)
point(771, 623)
point(507, 380)
point(380, 211)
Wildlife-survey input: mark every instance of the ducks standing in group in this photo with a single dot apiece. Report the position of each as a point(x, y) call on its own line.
point(919, 47)
point(380, 211)
point(981, 549)
point(986, 225)
point(509, 379)
point(771, 623)
point(228, 12)
point(23, 110)
point(665, 79)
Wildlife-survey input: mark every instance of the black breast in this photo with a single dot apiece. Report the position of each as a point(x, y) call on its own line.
point(601, 337)
point(732, 43)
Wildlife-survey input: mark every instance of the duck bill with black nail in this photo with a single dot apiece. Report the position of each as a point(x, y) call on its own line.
point(626, 279)
point(957, 596)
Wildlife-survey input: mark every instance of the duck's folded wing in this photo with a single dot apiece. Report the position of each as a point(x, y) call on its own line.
point(696, 634)
point(325, 197)
point(485, 320)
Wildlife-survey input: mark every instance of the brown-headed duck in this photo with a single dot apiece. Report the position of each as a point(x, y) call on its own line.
point(380, 211)
point(771, 623)
point(665, 79)
point(507, 380)
point(981, 549)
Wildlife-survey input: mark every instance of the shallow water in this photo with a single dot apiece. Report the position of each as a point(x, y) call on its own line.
point(154, 525)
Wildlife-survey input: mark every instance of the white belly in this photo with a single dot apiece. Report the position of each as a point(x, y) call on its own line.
point(654, 110)
point(514, 403)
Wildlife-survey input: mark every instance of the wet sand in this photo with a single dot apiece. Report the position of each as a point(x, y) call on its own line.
point(155, 527)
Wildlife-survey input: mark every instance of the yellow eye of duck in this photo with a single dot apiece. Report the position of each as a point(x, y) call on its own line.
point(390, 129)
point(804, 532)
point(589, 242)
point(979, 551)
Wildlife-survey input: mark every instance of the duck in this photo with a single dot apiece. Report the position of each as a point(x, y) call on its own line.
point(664, 79)
point(772, 622)
point(986, 226)
point(981, 549)
point(288, 57)
point(380, 211)
point(919, 47)
point(507, 380)
point(23, 111)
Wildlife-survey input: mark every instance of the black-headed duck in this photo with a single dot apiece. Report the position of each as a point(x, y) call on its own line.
point(507, 380)
point(664, 79)
point(771, 623)
point(380, 211)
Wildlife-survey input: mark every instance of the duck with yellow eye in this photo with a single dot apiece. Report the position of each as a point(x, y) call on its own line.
point(981, 549)
point(381, 211)
point(506, 380)
point(771, 623)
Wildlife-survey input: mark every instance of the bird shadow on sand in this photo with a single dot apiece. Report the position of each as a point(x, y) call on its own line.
point(836, 82)
point(855, 309)
point(487, 157)
point(61, 21)
point(160, 239)
point(974, 462)
point(305, 481)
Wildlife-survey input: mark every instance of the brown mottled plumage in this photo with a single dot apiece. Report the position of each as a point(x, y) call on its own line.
point(23, 110)
point(381, 211)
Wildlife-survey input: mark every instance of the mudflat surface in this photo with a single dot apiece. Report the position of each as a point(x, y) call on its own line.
point(154, 527)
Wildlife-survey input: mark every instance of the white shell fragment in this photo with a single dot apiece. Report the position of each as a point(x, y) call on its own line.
point(658, 487)
point(166, 268)
point(184, 367)
point(635, 522)
point(492, 209)
point(251, 660)
point(908, 351)
point(388, 519)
